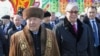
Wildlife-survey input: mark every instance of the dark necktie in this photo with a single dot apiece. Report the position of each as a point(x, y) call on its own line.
point(96, 37)
point(74, 28)
point(52, 24)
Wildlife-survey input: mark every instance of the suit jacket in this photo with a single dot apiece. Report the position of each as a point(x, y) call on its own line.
point(2, 43)
point(13, 30)
point(71, 44)
point(21, 43)
point(47, 25)
point(10, 26)
point(86, 21)
point(7, 38)
point(56, 22)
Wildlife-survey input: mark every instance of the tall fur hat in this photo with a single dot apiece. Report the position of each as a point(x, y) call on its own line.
point(33, 12)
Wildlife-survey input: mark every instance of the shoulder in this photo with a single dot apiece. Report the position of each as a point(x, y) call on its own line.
point(17, 34)
point(98, 20)
point(85, 26)
point(1, 32)
point(60, 24)
point(9, 30)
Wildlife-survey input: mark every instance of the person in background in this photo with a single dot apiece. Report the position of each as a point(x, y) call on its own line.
point(17, 20)
point(46, 20)
point(74, 38)
point(19, 12)
point(2, 43)
point(98, 13)
point(7, 24)
point(81, 17)
point(34, 39)
point(94, 25)
point(53, 19)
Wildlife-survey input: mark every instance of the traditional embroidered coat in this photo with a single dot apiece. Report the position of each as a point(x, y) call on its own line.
point(21, 43)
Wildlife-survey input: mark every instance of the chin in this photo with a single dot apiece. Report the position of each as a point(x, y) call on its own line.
point(32, 30)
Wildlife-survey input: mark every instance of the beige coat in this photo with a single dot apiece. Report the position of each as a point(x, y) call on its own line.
point(21, 43)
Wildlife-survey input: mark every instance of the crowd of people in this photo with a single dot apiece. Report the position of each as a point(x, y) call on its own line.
point(35, 32)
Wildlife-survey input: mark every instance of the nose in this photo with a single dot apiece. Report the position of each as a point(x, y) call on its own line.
point(31, 21)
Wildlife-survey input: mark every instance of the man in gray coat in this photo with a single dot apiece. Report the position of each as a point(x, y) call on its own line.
point(74, 37)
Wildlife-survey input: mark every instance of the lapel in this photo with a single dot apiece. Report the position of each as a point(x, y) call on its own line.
point(28, 38)
point(30, 41)
point(86, 21)
point(3, 26)
point(98, 25)
point(10, 26)
point(14, 27)
point(68, 25)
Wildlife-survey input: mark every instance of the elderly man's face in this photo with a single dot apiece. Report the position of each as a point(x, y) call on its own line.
point(17, 20)
point(72, 14)
point(33, 23)
point(5, 21)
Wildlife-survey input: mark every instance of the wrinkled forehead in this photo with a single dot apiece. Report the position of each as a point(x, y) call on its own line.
point(72, 6)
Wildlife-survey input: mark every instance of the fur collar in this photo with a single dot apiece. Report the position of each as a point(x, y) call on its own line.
point(79, 26)
point(30, 40)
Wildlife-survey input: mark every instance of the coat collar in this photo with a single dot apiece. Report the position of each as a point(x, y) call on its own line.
point(79, 27)
point(30, 40)
point(14, 27)
point(86, 20)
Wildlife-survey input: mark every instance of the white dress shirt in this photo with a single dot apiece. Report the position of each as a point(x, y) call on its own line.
point(18, 27)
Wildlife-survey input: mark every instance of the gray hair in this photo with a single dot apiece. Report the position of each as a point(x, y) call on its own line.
point(70, 5)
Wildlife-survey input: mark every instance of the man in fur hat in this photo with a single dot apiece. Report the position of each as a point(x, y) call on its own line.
point(34, 39)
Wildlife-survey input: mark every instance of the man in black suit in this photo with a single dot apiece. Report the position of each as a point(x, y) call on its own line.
point(17, 20)
point(2, 43)
point(94, 23)
point(7, 24)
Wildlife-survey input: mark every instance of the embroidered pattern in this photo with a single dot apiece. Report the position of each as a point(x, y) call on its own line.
point(24, 47)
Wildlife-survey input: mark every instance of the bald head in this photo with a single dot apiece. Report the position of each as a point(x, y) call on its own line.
point(17, 16)
point(17, 20)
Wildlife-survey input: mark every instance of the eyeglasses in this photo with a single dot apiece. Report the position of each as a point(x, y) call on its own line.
point(73, 12)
